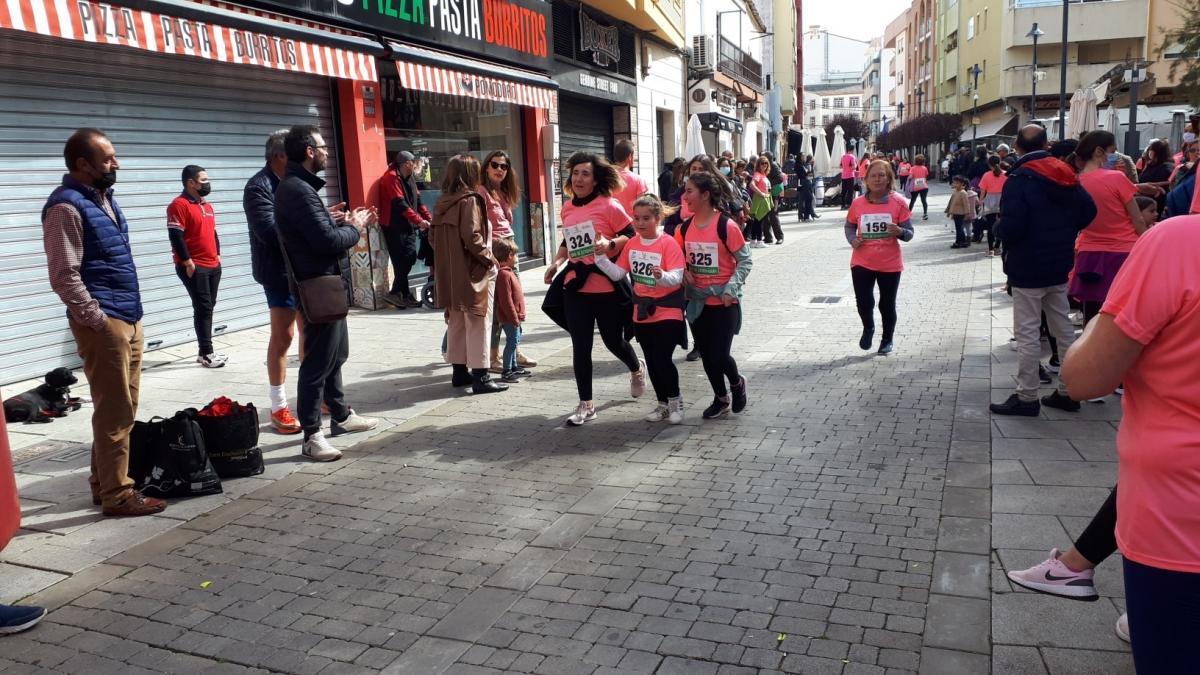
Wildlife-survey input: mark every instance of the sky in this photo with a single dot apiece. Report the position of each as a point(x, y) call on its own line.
point(860, 19)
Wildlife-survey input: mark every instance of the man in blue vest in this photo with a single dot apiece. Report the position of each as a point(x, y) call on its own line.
point(91, 268)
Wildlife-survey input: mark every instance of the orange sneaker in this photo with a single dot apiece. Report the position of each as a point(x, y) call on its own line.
point(284, 422)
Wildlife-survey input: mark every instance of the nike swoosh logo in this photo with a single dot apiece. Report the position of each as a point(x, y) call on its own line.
point(1051, 577)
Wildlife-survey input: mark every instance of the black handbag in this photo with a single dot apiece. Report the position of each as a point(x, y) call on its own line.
point(232, 438)
point(322, 299)
point(168, 458)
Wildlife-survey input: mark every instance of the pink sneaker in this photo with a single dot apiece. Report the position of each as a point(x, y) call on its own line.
point(1055, 578)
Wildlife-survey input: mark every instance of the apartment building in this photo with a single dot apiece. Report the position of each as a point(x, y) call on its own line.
point(895, 39)
point(824, 102)
point(979, 92)
point(920, 58)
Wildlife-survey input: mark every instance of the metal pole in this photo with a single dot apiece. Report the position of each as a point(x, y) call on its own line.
point(974, 108)
point(1033, 93)
point(1062, 77)
point(1132, 137)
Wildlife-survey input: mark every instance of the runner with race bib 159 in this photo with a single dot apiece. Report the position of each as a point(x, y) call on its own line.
point(718, 262)
point(876, 224)
point(593, 224)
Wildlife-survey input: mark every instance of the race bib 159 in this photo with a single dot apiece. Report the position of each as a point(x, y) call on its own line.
point(641, 266)
point(702, 257)
point(580, 239)
point(873, 226)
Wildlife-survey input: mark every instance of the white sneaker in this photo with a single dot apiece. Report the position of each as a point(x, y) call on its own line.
point(353, 422)
point(675, 410)
point(1123, 627)
point(637, 381)
point(659, 413)
point(213, 360)
point(318, 449)
point(584, 412)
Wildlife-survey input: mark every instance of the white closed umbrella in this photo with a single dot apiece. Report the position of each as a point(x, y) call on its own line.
point(1083, 115)
point(821, 159)
point(839, 144)
point(804, 145)
point(1114, 121)
point(695, 139)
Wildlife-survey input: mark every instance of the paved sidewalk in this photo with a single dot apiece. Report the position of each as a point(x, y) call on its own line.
point(843, 524)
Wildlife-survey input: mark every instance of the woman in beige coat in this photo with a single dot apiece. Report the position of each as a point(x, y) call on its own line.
point(465, 273)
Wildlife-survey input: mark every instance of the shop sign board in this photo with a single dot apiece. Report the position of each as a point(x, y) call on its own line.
point(514, 31)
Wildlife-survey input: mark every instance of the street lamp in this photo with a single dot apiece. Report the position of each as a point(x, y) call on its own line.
point(899, 112)
point(1036, 33)
point(974, 72)
point(920, 95)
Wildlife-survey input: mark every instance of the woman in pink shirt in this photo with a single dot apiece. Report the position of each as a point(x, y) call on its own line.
point(500, 192)
point(1104, 244)
point(878, 221)
point(1145, 338)
point(847, 163)
point(593, 223)
point(918, 177)
point(991, 186)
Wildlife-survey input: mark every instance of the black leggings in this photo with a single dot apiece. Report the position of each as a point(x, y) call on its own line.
point(913, 200)
point(658, 340)
point(1099, 539)
point(772, 228)
point(714, 330)
point(989, 226)
point(847, 192)
point(1090, 309)
point(584, 311)
point(864, 296)
point(753, 230)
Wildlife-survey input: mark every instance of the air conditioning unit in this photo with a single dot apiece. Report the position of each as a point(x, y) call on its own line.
point(703, 58)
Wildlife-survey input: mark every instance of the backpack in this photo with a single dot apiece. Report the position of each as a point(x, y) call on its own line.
point(722, 229)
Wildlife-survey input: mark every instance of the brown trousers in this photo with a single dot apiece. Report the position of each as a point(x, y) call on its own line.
point(112, 363)
point(468, 337)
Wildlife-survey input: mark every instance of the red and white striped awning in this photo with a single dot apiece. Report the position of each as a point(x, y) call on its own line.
point(105, 23)
point(452, 82)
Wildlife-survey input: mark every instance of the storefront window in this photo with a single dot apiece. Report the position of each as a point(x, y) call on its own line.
point(435, 127)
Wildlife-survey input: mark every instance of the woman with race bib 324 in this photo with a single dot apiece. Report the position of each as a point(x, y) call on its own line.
point(718, 262)
point(593, 223)
point(876, 224)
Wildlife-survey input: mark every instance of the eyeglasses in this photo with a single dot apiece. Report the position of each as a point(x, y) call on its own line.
point(319, 147)
point(498, 166)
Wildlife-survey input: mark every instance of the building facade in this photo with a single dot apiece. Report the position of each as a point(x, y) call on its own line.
point(726, 83)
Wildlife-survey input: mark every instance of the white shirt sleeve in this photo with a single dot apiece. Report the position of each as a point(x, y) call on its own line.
point(610, 268)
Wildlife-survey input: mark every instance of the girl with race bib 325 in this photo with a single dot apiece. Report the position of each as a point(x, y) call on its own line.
point(876, 224)
point(593, 223)
point(718, 262)
point(655, 264)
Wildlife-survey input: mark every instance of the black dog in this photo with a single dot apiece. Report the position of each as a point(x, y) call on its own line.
point(47, 401)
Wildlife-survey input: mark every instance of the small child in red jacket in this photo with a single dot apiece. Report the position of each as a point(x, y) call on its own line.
point(510, 308)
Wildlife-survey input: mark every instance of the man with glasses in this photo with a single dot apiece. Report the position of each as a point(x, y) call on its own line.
point(400, 212)
point(314, 243)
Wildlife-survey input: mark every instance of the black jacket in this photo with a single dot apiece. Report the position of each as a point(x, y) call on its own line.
point(1042, 209)
point(258, 201)
point(314, 242)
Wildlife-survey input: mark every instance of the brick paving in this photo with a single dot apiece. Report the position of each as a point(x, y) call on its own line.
point(841, 525)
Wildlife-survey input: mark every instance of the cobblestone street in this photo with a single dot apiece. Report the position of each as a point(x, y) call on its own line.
point(844, 524)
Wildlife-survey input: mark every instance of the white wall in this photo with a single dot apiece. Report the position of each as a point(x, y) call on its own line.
point(661, 89)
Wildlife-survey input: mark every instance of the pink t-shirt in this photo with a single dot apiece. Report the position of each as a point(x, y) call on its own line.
point(882, 254)
point(761, 182)
point(582, 226)
point(1112, 230)
point(710, 261)
point(1155, 300)
point(905, 168)
point(847, 163)
point(498, 214)
point(1195, 207)
point(991, 183)
point(918, 178)
point(638, 258)
point(634, 187)
point(862, 168)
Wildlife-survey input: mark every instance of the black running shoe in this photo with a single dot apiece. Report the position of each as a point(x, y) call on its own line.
point(694, 355)
point(739, 395)
point(1057, 400)
point(719, 407)
point(1015, 406)
point(886, 348)
point(864, 342)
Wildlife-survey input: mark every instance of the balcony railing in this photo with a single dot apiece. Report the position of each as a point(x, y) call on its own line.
point(739, 65)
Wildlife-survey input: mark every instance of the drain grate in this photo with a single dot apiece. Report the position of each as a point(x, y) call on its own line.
point(825, 299)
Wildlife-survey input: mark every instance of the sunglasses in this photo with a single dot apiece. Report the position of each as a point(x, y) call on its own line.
point(498, 166)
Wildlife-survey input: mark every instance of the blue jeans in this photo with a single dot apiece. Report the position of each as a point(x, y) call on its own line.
point(512, 340)
point(1164, 619)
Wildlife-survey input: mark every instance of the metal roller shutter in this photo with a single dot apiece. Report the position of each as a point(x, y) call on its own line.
point(162, 112)
point(584, 126)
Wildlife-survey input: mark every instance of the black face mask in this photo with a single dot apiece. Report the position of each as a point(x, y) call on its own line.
point(104, 181)
point(204, 189)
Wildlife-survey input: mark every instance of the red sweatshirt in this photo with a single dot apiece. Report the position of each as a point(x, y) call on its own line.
point(510, 299)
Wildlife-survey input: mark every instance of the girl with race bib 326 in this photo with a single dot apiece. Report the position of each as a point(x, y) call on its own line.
point(655, 264)
point(593, 223)
point(718, 262)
